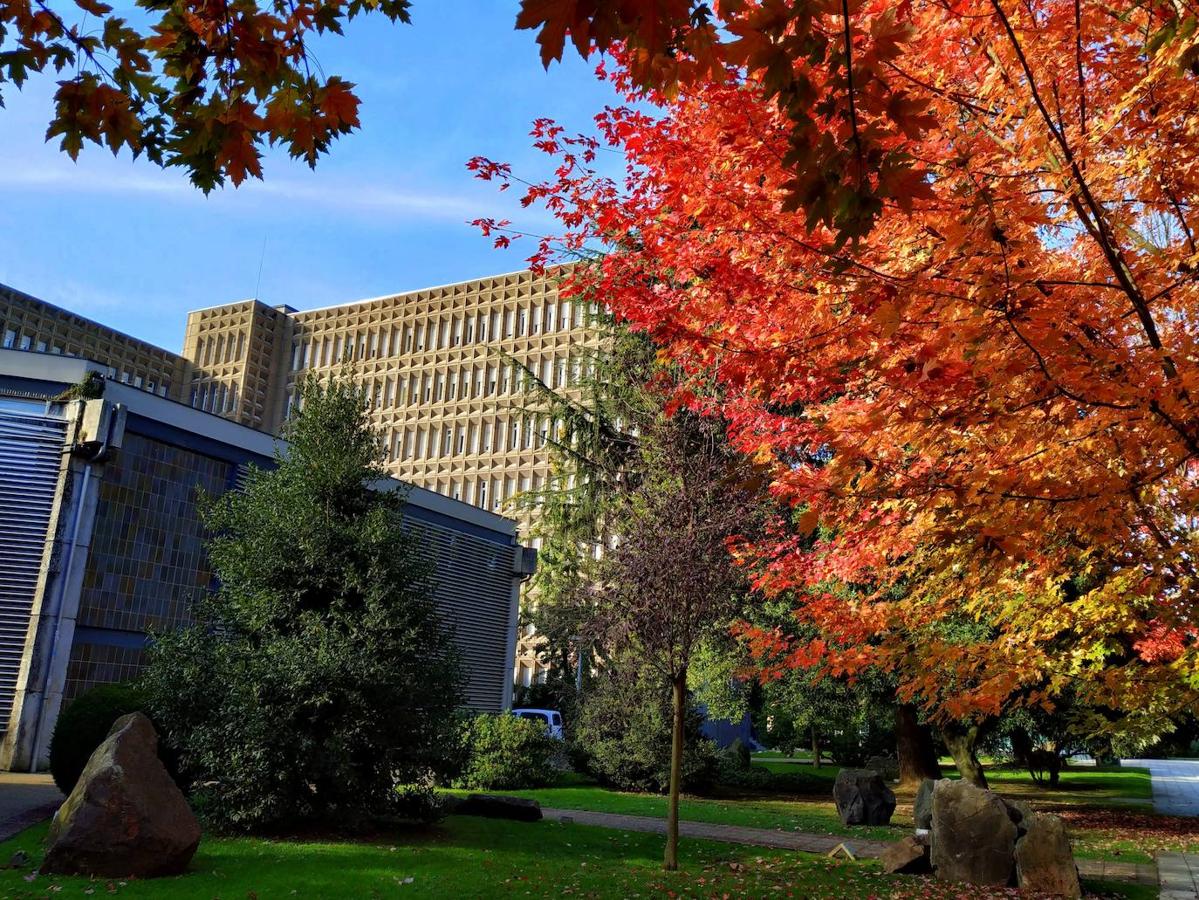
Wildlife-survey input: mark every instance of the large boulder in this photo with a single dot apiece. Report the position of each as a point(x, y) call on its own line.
point(1044, 858)
point(922, 806)
point(907, 856)
point(863, 798)
point(973, 835)
point(125, 817)
point(499, 806)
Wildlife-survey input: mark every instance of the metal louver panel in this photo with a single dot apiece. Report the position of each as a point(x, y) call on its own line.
point(30, 455)
point(473, 593)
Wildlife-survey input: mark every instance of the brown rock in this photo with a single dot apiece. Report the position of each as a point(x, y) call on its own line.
point(908, 856)
point(125, 817)
point(1044, 859)
point(973, 836)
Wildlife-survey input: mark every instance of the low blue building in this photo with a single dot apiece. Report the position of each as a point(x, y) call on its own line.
point(101, 542)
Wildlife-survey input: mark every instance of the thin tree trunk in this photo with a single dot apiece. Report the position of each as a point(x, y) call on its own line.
point(914, 742)
point(671, 860)
point(961, 741)
point(815, 749)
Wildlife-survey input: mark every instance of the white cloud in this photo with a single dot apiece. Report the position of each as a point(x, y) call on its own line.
point(328, 191)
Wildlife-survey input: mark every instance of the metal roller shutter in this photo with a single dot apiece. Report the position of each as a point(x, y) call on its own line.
point(473, 592)
point(30, 455)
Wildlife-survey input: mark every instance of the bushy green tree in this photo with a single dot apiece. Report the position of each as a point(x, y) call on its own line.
point(319, 675)
point(624, 732)
point(503, 752)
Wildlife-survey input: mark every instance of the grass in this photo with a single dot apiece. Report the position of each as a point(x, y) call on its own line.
point(814, 816)
point(1104, 807)
point(479, 857)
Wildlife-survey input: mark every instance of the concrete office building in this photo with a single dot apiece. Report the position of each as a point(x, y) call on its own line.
point(102, 543)
point(436, 364)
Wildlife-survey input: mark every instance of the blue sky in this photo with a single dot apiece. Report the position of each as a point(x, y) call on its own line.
point(135, 247)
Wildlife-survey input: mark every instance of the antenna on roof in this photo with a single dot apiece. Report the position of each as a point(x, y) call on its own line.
point(261, 260)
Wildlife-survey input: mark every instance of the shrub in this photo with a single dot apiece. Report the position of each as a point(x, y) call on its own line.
point(84, 725)
point(503, 752)
point(623, 735)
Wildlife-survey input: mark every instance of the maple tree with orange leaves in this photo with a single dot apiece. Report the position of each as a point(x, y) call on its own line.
point(941, 258)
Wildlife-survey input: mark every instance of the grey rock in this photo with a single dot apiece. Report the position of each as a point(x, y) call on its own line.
point(125, 817)
point(973, 835)
point(863, 798)
point(1045, 860)
point(909, 856)
point(18, 860)
point(496, 806)
point(922, 806)
point(886, 766)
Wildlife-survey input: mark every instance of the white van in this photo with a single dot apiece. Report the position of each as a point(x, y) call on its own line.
point(551, 718)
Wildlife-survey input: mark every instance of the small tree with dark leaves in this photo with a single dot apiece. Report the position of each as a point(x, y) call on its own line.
point(670, 580)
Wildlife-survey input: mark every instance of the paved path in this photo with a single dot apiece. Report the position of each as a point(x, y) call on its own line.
point(1175, 784)
point(1179, 873)
point(729, 834)
point(1105, 870)
point(25, 800)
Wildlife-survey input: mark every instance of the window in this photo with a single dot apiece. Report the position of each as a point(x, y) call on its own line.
point(549, 317)
point(494, 330)
point(447, 437)
point(535, 324)
point(407, 338)
point(491, 380)
point(520, 323)
point(374, 344)
point(26, 342)
point(440, 389)
point(444, 334)
point(460, 442)
point(420, 443)
point(420, 336)
point(295, 355)
point(479, 373)
point(509, 320)
point(563, 315)
point(427, 387)
point(10, 338)
point(457, 332)
point(41, 346)
point(407, 444)
point(481, 494)
point(514, 444)
point(241, 345)
point(486, 437)
point(472, 438)
point(137, 381)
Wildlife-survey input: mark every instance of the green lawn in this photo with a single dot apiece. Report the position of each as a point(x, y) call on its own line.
point(479, 857)
point(815, 816)
point(1088, 799)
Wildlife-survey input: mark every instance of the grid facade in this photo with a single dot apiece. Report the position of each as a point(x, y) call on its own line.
point(27, 323)
point(236, 353)
point(442, 369)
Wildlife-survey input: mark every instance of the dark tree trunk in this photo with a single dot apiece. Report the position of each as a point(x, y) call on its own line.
point(962, 741)
point(815, 749)
point(671, 859)
point(914, 742)
point(1021, 747)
